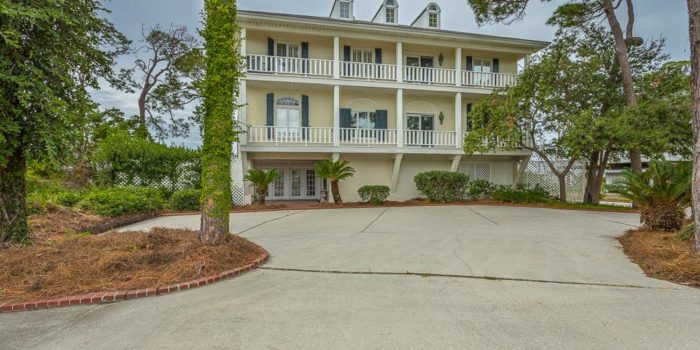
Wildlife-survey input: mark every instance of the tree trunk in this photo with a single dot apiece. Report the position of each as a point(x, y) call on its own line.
point(621, 51)
point(213, 227)
point(13, 205)
point(142, 130)
point(594, 176)
point(562, 187)
point(262, 194)
point(336, 192)
point(694, 29)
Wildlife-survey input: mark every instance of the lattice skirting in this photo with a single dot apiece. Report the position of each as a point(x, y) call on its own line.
point(499, 173)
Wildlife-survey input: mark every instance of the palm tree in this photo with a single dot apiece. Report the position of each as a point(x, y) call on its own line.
point(262, 179)
point(334, 172)
point(662, 193)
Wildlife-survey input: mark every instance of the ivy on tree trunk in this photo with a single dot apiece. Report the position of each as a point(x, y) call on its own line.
point(220, 87)
point(13, 209)
point(694, 29)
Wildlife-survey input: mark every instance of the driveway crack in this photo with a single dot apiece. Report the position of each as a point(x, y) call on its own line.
point(477, 213)
point(269, 221)
point(364, 230)
point(477, 277)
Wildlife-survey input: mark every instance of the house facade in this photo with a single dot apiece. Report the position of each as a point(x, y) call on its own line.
point(392, 99)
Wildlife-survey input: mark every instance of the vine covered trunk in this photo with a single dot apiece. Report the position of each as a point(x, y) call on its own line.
point(13, 208)
point(694, 29)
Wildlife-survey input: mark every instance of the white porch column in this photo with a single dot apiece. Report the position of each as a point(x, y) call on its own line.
point(458, 66)
point(336, 115)
point(399, 62)
point(399, 117)
point(244, 47)
point(243, 110)
point(336, 57)
point(458, 120)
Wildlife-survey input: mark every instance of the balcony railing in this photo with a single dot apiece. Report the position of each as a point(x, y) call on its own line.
point(488, 79)
point(290, 65)
point(368, 137)
point(428, 75)
point(424, 138)
point(286, 135)
point(375, 72)
point(368, 71)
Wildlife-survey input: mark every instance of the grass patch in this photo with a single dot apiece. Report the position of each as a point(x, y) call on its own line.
point(663, 255)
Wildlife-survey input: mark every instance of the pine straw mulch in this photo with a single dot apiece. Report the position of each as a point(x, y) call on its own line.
point(73, 265)
point(663, 256)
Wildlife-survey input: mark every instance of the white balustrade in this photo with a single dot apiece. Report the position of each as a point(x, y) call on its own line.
point(290, 65)
point(367, 137)
point(293, 135)
point(368, 71)
point(425, 138)
point(488, 79)
point(429, 75)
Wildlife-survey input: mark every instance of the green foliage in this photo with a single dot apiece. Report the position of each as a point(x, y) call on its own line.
point(687, 233)
point(116, 201)
point(335, 172)
point(480, 189)
point(375, 194)
point(186, 200)
point(662, 192)
point(44, 193)
point(521, 193)
point(69, 198)
point(222, 62)
point(262, 179)
point(142, 162)
point(442, 186)
point(51, 53)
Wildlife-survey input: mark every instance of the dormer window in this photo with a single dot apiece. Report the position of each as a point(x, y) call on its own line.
point(433, 20)
point(390, 15)
point(344, 9)
point(429, 18)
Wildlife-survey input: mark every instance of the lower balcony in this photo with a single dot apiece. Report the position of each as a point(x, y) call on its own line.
point(350, 137)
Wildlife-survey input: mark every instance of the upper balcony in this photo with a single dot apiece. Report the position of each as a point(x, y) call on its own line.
point(325, 68)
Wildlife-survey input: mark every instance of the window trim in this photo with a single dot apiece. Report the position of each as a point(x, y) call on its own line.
point(295, 107)
point(365, 50)
point(287, 44)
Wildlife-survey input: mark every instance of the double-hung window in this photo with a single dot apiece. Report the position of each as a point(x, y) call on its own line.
point(433, 20)
point(344, 9)
point(390, 15)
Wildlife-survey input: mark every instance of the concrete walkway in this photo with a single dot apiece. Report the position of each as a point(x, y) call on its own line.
point(454, 277)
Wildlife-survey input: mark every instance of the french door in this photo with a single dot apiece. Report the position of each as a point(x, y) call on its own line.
point(287, 55)
point(420, 127)
point(295, 184)
point(419, 68)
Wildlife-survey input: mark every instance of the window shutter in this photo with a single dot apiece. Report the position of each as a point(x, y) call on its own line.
point(305, 115)
point(381, 123)
point(270, 47)
point(378, 56)
point(345, 122)
point(304, 54)
point(470, 63)
point(496, 64)
point(347, 53)
point(270, 113)
point(469, 119)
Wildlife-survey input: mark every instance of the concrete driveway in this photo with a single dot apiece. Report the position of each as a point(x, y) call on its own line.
point(454, 277)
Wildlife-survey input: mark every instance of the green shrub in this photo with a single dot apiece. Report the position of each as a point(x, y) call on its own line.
point(68, 198)
point(375, 194)
point(687, 233)
point(521, 194)
point(186, 200)
point(480, 189)
point(115, 201)
point(442, 186)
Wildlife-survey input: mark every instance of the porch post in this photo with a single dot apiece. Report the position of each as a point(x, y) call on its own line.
point(399, 118)
point(458, 66)
point(244, 47)
point(458, 120)
point(399, 62)
point(336, 57)
point(243, 111)
point(336, 115)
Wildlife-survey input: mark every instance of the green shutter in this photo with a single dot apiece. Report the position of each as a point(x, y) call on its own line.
point(345, 122)
point(381, 122)
point(304, 115)
point(270, 113)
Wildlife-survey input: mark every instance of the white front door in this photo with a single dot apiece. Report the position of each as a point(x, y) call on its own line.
point(295, 184)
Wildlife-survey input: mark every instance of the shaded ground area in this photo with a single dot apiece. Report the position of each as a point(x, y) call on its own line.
point(81, 264)
point(480, 277)
point(663, 255)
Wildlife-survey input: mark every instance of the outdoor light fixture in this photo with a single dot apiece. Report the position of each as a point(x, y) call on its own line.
point(442, 118)
point(441, 58)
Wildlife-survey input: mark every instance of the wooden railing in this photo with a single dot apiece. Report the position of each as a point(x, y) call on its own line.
point(423, 138)
point(369, 71)
point(488, 79)
point(368, 137)
point(278, 134)
point(428, 75)
point(290, 65)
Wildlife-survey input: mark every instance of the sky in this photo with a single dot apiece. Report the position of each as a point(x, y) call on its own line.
point(653, 19)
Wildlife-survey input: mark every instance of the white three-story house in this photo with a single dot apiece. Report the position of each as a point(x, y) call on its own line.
point(392, 99)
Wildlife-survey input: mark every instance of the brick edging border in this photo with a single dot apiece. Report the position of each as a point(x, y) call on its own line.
point(112, 297)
